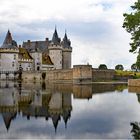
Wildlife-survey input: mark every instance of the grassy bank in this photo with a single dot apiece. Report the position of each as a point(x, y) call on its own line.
point(128, 73)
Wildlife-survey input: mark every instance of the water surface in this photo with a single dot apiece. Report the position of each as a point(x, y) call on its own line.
point(46, 110)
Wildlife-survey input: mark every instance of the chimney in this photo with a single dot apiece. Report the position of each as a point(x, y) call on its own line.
point(29, 43)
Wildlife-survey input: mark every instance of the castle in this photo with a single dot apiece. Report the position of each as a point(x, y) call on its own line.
point(48, 60)
point(34, 55)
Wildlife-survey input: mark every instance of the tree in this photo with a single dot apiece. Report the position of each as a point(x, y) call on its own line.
point(102, 67)
point(132, 25)
point(119, 67)
point(138, 61)
point(134, 67)
point(135, 130)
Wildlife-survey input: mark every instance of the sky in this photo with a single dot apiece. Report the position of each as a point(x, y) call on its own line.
point(93, 26)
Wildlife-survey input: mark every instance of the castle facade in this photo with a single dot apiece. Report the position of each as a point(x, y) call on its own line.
point(34, 55)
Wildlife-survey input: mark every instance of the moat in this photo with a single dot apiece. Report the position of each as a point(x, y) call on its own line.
point(47, 110)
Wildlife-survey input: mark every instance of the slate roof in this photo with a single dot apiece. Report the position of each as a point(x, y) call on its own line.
point(55, 39)
point(31, 45)
point(9, 42)
point(66, 42)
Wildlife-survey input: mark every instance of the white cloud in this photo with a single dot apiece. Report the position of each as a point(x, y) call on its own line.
point(83, 19)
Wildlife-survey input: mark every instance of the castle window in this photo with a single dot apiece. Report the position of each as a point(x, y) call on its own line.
point(14, 57)
point(13, 64)
point(60, 62)
point(0, 56)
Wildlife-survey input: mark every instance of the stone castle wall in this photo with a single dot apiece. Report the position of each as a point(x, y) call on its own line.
point(82, 73)
point(59, 75)
point(78, 74)
point(31, 76)
point(102, 74)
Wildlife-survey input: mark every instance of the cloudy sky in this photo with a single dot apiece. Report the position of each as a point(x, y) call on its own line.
point(94, 27)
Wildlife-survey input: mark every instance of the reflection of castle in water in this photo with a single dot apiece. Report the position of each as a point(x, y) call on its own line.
point(43, 100)
point(33, 103)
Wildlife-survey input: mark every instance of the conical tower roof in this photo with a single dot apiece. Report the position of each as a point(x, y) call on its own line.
point(66, 42)
point(8, 38)
point(55, 38)
point(66, 115)
point(8, 41)
point(7, 117)
point(55, 119)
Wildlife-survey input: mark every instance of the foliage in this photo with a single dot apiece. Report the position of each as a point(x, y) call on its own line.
point(128, 73)
point(132, 25)
point(102, 67)
point(134, 67)
point(121, 87)
point(135, 130)
point(119, 67)
point(138, 62)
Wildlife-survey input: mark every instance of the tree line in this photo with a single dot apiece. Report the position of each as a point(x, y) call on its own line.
point(119, 67)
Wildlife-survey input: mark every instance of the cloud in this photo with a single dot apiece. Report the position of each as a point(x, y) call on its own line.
point(89, 119)
point(94, 27)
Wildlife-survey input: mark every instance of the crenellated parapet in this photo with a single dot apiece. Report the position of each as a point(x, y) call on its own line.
point(68, 49)
point(9, 50)
point(25, 60)
point(55, 47)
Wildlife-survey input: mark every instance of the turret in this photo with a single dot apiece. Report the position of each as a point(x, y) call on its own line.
point(55, 119)
point(55, 51)
point(9, 42)
point(67, 49)
point(8, 117)
point(55, 38)
point(9, 54)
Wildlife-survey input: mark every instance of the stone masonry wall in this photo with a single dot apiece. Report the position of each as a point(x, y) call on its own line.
point(59, 75)
point(79, 74)
point(102, 74)
point(32, 76)
point(82, 73)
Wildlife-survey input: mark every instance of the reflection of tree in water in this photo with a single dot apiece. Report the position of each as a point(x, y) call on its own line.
point(135, 130)
point(135, 125)
point(138, 96)
point(121, 87)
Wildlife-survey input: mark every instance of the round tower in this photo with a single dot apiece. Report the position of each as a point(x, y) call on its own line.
point(67, 49)
point(55, 51)
point(9, 54)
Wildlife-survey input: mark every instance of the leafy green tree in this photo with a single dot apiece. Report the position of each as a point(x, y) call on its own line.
point(132, 25)
point(138, 61)
point(134, 67)
point(102, 67)
point(119, 67)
